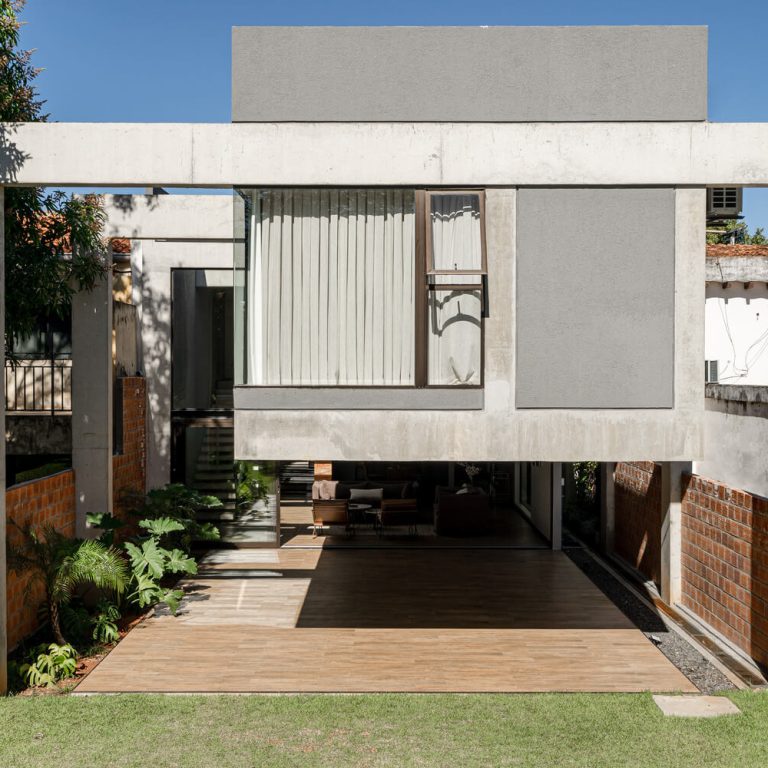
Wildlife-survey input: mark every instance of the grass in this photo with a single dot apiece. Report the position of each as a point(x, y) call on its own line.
point(383, 730)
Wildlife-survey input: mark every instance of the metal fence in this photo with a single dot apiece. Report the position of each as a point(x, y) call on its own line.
point(38, 386)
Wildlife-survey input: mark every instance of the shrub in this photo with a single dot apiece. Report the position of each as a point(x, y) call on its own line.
point(105, 623)
point(59, 663)
point(61, 564)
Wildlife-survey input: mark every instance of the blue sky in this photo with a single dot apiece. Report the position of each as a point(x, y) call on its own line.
point(169, 60)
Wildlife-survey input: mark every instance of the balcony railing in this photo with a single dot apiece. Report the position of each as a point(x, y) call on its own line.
point(38, 386)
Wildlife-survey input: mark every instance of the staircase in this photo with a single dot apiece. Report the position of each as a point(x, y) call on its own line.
point(296, 479)
point(214, 471)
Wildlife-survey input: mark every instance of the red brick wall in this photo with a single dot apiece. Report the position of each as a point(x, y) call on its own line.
point(725, 562)
point(129, 466)
point(637, 532)
point(52, 500)
point(49, 500)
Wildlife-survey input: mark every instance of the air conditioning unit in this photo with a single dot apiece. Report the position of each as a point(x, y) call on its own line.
point(724, 202)
point(711, 371)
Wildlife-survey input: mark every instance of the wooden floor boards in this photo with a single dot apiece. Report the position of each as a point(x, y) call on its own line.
point(292, 620)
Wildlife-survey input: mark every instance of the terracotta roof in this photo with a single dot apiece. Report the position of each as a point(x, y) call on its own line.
point(720, 251)
point(120, 245)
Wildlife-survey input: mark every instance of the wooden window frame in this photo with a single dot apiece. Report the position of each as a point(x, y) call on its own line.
point(424, 267)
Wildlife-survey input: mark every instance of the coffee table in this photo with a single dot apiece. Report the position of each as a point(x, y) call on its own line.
point(359, 512)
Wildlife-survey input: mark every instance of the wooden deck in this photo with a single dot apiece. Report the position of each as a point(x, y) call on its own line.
point(300, 620)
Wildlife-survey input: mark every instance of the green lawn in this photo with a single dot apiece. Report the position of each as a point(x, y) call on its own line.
point(384, 730)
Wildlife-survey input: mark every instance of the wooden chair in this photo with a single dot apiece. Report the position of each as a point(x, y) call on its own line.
point(330, 512)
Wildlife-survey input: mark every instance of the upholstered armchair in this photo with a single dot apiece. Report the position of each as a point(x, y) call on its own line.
point(329, 512)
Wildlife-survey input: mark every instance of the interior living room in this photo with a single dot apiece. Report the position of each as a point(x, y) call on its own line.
point(415, 504)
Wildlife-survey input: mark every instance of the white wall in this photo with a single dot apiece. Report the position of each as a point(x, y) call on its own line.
point(167, 232)
point(736, 332)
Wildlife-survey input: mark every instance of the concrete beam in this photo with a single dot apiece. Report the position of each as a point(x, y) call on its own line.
point(92, 412)
point(506, 154)
point(169, 217)
point(737, 269)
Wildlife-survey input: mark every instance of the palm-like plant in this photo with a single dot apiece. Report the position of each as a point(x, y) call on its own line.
point(62, 564)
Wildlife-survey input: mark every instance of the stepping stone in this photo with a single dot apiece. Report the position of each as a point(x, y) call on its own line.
point(696, 706)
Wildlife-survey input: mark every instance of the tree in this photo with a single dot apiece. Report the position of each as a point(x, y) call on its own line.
point(738, 231)
point(42, 228)
point(62, 564)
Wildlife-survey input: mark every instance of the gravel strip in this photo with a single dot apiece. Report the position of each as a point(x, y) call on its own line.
point(706, 677)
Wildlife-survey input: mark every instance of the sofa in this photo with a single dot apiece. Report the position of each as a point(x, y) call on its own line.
point(462, 512)
point(394, 500)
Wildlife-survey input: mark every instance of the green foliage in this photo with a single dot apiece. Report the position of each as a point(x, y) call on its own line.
point(57, 664)
point(251, 484)
point(161, 526)
point(105, 623)
point(738, 231)
point(585, 479)
point(62, 564)
point(75, 622)
point(179, 504)
point(43, 471)
point(154, 558)
point(40, 227)
point(108, 525)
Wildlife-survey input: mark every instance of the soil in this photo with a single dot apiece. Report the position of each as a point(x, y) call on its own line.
point(85, 664)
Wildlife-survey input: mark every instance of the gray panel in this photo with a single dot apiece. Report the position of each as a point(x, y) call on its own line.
point(357, 399)
point(595, 298)
point(468, 74)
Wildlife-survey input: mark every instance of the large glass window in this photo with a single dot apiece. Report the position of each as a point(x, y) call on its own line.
point(360, 287)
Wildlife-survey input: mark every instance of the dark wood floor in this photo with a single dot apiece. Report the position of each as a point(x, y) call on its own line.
point(513, 531)
point(293, 620)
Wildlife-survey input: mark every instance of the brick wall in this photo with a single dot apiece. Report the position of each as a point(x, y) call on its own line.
point(129, 466)
point(49, 500)
point(637, 522)
point(725, 562)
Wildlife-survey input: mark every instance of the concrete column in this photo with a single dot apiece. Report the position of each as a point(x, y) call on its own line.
point(156, 350)
point(671, 529)
point(556, 500)
point(92, 390)
point(607, 506)
point(3, 564)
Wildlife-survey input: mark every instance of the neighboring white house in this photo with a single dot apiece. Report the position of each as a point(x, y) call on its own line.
point(736, 321)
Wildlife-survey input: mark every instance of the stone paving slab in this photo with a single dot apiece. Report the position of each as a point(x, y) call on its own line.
point(696, 706)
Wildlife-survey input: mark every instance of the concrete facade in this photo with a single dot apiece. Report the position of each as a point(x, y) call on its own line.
point(595, 298)
point(735, 430)
point(167, 232)
point(477, 74)
point(501, 431)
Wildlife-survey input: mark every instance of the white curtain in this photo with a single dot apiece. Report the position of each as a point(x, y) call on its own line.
point(331, 287)
point(455, 337)
point(455, 316)
point(455, 221)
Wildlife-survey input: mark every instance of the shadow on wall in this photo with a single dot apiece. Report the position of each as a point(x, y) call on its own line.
point(128, 204)
point(638, 516)
point(11, 157)
point(156, 350)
